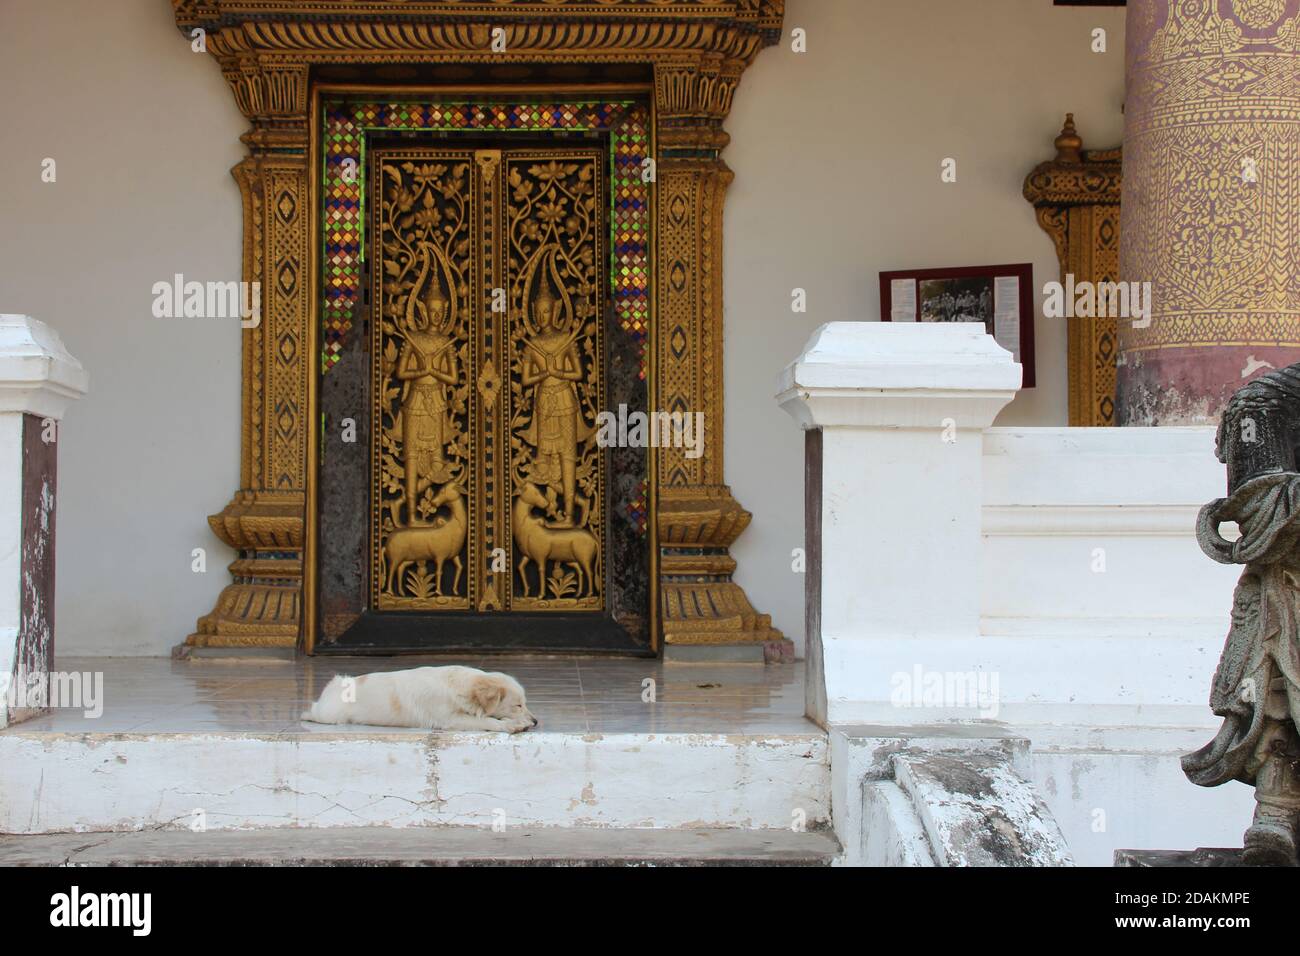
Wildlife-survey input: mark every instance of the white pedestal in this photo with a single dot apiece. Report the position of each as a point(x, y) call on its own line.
point(893, 495)
point(38, 381)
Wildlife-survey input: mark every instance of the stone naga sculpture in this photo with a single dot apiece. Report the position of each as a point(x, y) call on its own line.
point(1257, 685)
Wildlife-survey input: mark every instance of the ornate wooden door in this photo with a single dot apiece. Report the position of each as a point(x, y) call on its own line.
point(488, 287)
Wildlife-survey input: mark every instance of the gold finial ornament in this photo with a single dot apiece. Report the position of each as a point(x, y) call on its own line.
point(1069, 145)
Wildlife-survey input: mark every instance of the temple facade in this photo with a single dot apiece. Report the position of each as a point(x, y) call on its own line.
point(800, 401)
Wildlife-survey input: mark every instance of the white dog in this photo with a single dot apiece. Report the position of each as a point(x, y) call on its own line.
point(435, 698)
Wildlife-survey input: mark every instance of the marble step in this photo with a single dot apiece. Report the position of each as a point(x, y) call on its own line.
point(431, 846)
point(55, 782)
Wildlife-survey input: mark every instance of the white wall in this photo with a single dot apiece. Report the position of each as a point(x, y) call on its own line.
point(144, 133)
point(1091, 530)
point(836, 153)
point(1103, 668)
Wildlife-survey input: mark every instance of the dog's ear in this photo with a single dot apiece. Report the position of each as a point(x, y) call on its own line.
point(486, 694)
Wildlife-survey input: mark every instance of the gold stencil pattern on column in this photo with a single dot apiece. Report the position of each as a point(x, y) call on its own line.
point(1212, 139)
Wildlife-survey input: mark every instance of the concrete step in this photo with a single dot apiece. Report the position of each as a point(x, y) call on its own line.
point(58, 782)
point(426, 846)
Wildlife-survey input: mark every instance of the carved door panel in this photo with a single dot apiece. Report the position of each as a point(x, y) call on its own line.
point(487, 357)
point(426, 227)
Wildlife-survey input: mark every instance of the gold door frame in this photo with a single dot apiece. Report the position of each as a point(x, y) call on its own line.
point(267, 51)
point(1076, 199)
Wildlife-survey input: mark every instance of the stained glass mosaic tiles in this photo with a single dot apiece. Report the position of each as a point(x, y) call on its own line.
point(346, 124)
point(639, 506)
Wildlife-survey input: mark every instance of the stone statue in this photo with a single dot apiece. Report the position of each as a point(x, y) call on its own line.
point(1257, 685)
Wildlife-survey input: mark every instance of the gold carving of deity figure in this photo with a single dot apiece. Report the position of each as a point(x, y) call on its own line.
point(426, 366)
point(552, 368)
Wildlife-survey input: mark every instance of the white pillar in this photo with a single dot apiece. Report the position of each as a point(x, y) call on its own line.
point(894, 413)
point(38, 381)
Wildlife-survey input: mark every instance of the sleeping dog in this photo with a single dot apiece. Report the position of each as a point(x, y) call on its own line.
point(434, 698)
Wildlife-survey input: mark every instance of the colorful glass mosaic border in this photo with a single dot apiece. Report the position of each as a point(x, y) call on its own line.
point(346, 123)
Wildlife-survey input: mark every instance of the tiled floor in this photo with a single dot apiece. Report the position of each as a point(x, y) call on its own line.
point(159, 695)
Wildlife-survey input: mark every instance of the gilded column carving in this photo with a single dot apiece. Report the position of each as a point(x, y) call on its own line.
point(264, 521)
point(698, 518)
point(1076, 201)
point(1210, 213)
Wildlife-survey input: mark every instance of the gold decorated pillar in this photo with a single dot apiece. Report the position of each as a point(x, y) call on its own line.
point(1076, 199)
point(1211, 202)
point(698, 518)
point(264, 521)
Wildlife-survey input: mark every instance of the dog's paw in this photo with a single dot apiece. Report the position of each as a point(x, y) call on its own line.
point(518, 725)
